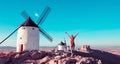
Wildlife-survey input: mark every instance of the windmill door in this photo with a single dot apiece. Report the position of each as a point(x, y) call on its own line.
point(21, 47)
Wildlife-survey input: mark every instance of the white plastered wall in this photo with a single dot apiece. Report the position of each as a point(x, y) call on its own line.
point(28, 37)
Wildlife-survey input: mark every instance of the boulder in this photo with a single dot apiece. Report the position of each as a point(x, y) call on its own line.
point(85, 49)
point(35, 55)
point(50, 54)
point(57, 57)
point(53, 61)
point(71, 61)
point(17, 56)
point(78, 58)
point(87, 60)
point(29, 62)
point(23, 56)
point(43, 60)
point(99, 62)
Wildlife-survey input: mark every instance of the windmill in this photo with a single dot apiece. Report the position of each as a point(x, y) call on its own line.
point(28, 32)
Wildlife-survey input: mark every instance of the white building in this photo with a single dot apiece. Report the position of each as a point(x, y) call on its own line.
point(62, 46)
point(28, 36)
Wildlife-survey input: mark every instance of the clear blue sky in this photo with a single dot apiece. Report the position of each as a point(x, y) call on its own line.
point(98, 21)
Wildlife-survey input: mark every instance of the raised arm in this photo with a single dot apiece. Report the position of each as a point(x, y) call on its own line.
point(76, 34)
point(67, 34)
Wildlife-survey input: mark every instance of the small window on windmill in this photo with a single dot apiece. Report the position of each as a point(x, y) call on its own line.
point(33, 28)
point(20, 37)
point(23, 27)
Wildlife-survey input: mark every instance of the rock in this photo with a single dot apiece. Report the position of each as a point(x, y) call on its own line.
point(42, 55)
point(43, 60)
point(53, 61)
point(66, 54)
point(50, 54)
point(60, 62)
point(57, 57)
point(85, 49)
point(29, 62)
point(78, 58)
point(99, 62)
point(87, 60)
point(23, 56)
point(38, 55)
point(17, 56)
point(71, 61)
point(35, 55)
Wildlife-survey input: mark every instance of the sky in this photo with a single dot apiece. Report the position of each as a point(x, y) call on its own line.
point(97, 21)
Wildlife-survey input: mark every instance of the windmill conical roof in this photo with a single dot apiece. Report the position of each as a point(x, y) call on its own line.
point(29, 22)
point(61, 43)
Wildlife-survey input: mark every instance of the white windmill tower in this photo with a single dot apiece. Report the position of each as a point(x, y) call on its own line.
point(28, 36)
point(28, 32)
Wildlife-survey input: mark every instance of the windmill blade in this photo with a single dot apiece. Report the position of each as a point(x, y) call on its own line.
point(45, 34)
point(9, 35)
point(25, 14)
point(43, 15)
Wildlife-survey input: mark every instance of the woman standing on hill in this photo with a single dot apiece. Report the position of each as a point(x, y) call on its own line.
point(72, 38)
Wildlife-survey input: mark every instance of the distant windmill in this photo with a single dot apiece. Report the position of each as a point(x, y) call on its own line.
point(28, 32)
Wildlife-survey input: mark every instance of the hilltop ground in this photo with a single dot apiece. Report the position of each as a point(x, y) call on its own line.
point(51, 56)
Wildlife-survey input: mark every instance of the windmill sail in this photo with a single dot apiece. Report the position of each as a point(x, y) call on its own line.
point(43, 15)
point(25, 14)
point(45, 34)
point(41, 19)
point(9, 35)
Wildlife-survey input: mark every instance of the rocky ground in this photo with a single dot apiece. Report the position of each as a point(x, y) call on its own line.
point(42, 57)
point(83, 56)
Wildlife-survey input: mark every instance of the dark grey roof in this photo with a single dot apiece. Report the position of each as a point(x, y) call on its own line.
point(29, 22)
point(61, 43)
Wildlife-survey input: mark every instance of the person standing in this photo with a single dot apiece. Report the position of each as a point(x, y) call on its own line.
point(72, 38)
